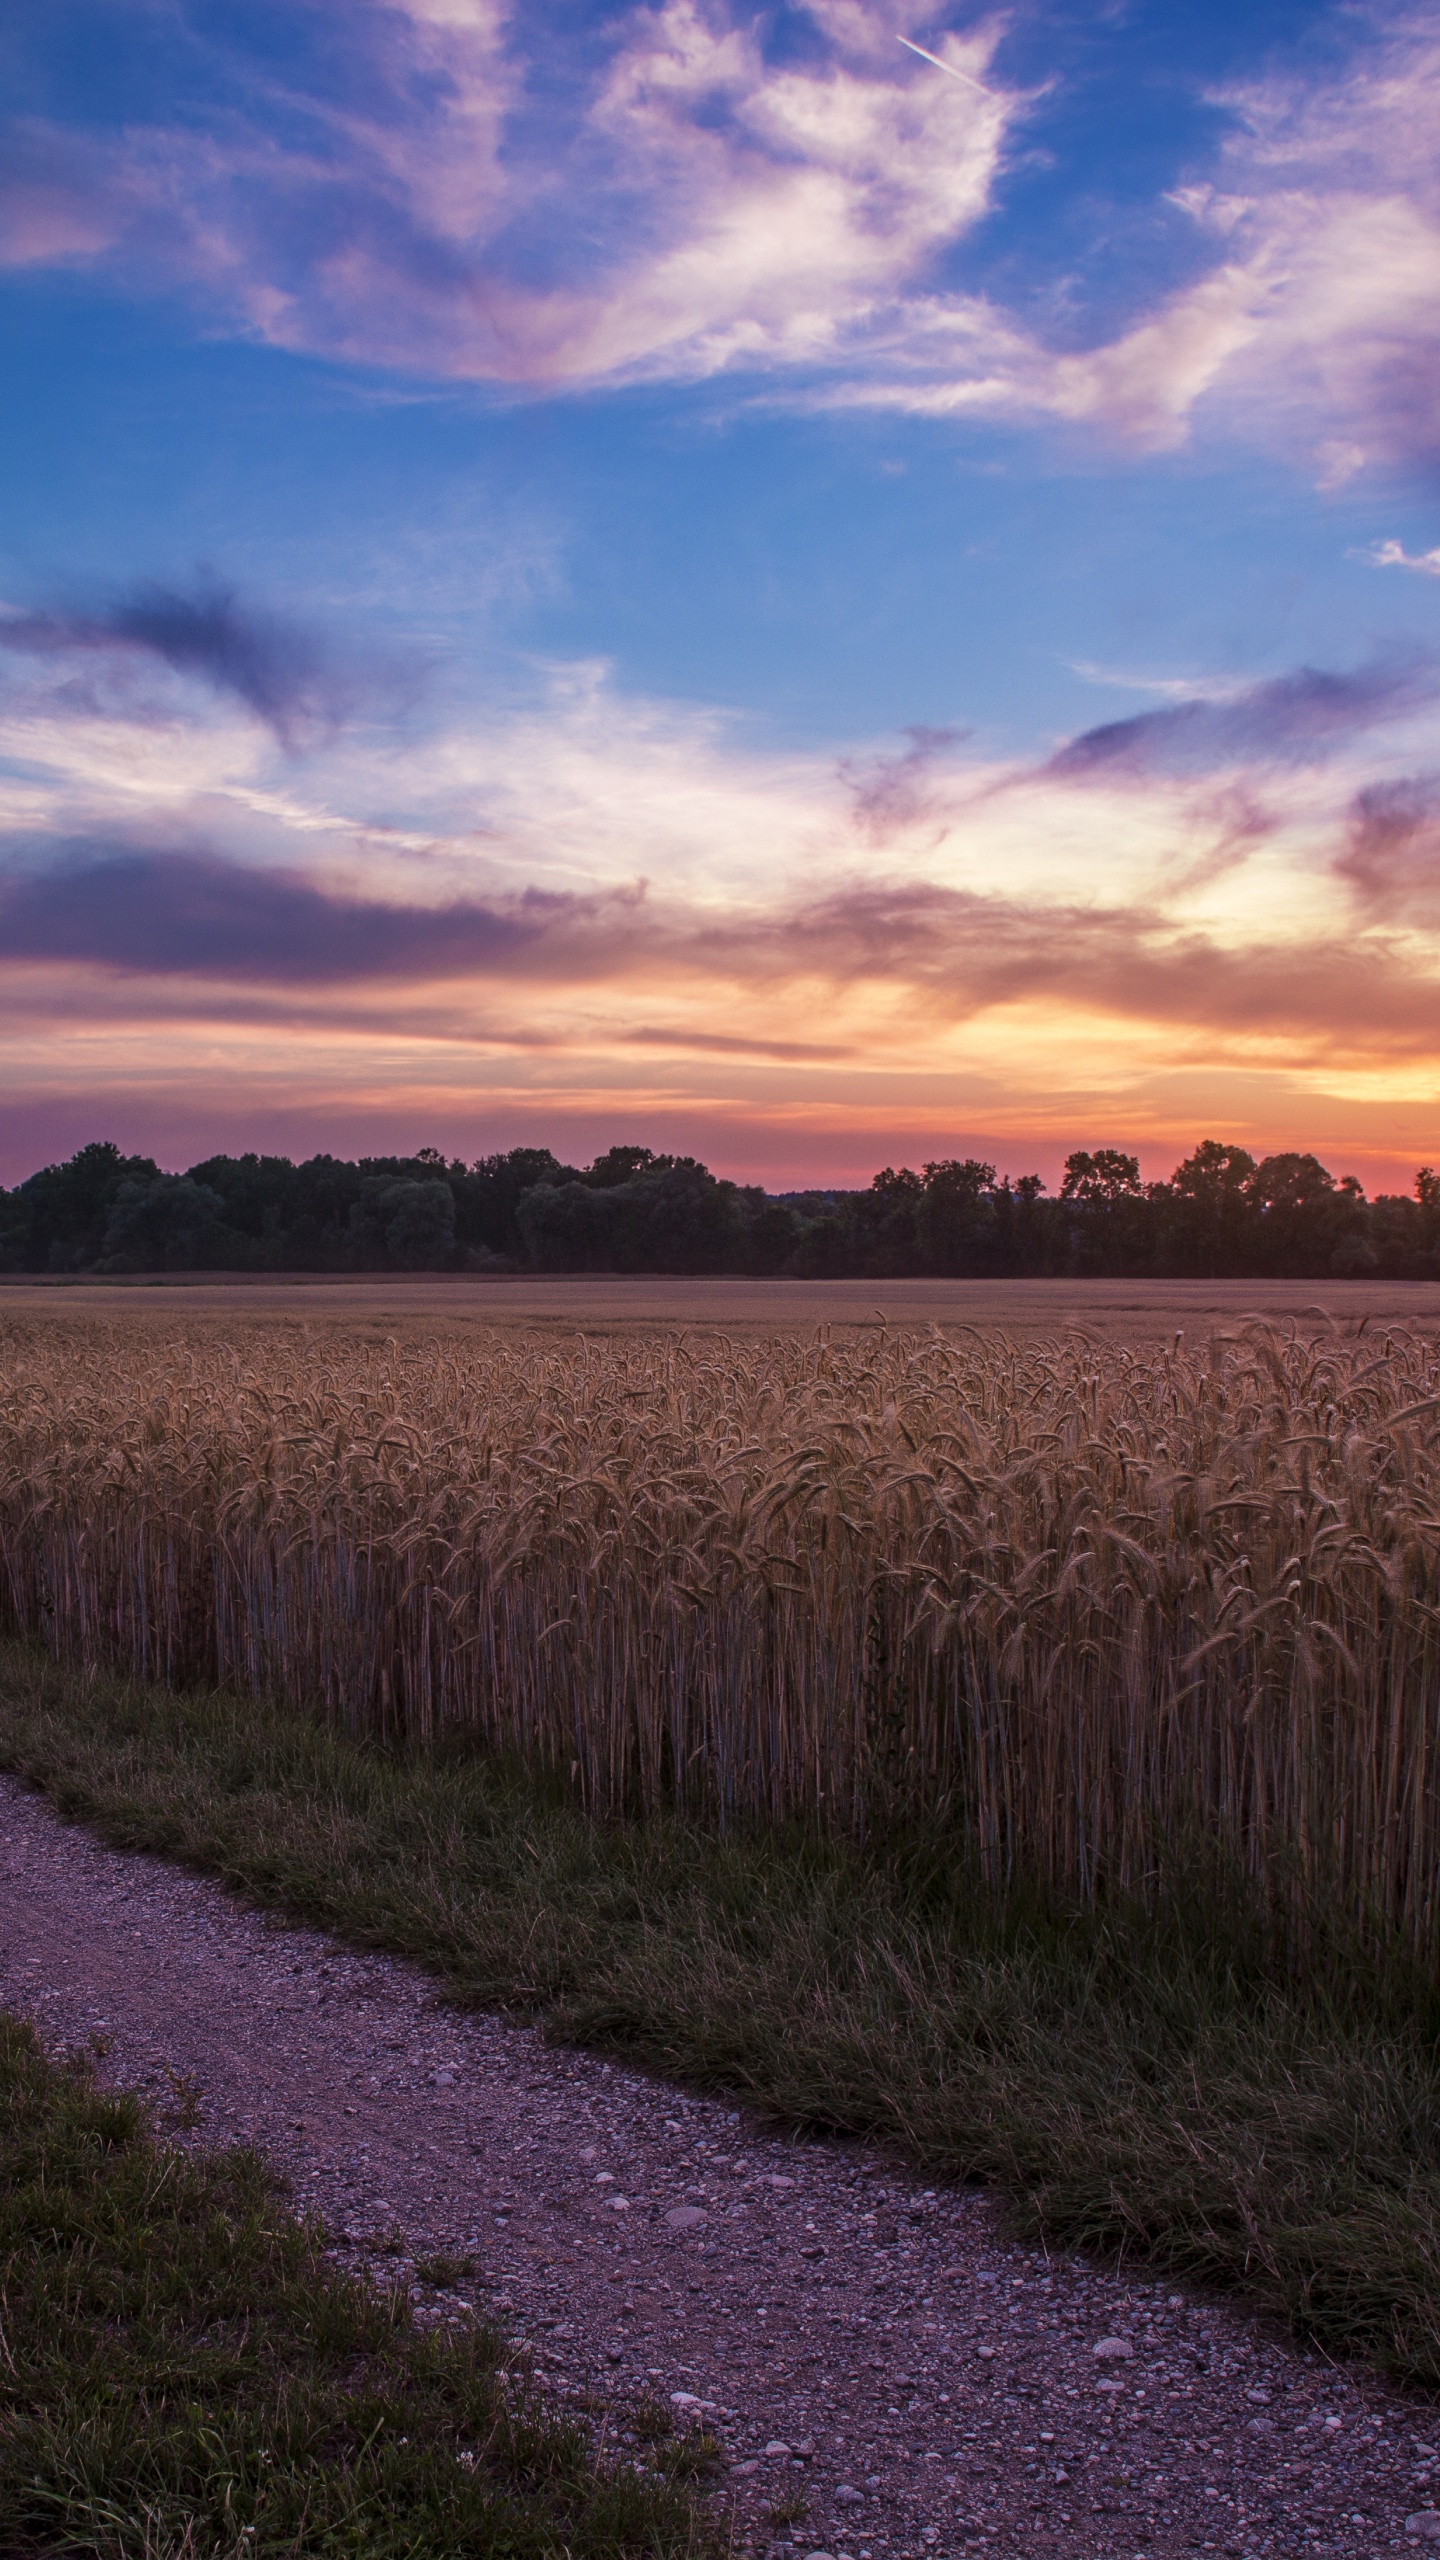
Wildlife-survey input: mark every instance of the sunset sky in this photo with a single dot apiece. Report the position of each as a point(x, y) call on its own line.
point(687, 574)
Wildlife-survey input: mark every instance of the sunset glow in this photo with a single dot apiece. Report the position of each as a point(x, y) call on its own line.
point(679, 575)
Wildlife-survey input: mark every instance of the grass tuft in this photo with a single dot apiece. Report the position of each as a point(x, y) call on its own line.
point(182, 2372)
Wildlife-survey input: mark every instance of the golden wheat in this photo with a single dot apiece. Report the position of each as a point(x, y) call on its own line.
point(1084, 1598)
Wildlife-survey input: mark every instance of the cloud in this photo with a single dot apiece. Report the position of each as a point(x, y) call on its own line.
point(446, 189)
point(894, 793)
point(191, 914)
point(1392, 859)
point(441, 198)
point(278, 671)
point(1393, 555)
point(928, 956)
point(1315, 331)
point(1290, 718)
point(57, 197)
point(952, 956)
point(1246, 898)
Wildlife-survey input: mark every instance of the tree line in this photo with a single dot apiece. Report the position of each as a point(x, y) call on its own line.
point(1220, 1215)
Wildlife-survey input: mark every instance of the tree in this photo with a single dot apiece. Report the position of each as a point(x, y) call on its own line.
point(882, 1231)
point(1023, 1225)
point(620, 1164)
point(488, 1198)
point(168, 1223)
point(57, 1219)
point(1304, 1214)
point(1213, 1211)
point(954, 1227)
point(769, 1233)
point(559, 1226)
point(1106, 1197)
point(420, 1225)
point(403, 1225)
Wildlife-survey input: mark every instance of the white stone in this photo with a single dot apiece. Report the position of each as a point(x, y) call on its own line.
point(1113, 2350)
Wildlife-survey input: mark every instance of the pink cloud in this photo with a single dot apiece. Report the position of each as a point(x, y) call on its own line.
point(683, 209)
point(699, 210)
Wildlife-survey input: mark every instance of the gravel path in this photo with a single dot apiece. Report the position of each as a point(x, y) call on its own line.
point(888, 2376)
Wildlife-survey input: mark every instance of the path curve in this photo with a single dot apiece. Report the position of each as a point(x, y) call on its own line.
point(866, 2348)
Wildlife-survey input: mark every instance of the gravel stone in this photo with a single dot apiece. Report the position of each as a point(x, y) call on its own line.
point(949, 2368)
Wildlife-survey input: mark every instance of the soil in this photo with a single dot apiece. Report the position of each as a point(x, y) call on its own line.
point(889, 2376)
point(1138, 1311)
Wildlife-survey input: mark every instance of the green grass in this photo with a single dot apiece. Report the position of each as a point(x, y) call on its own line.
point(1171, 2083)
point(184, 2374)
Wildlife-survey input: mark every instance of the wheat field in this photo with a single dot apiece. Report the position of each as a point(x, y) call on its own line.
point(1080, 1599)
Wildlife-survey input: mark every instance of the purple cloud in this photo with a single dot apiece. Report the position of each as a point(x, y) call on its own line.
point(891, 793)
point(1287, 720)
point(193, 915)
point(279, 671)
point(1392, 859)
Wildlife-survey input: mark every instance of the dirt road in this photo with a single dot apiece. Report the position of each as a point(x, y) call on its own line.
point(888, 2376)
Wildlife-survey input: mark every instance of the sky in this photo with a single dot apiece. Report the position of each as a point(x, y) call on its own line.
point(817, 586)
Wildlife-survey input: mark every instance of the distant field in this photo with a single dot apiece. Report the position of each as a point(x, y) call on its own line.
point(1132, 1310)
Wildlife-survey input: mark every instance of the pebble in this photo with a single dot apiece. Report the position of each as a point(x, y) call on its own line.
point(1113, 2350)
point(1424, 2527)
point(685, 2217)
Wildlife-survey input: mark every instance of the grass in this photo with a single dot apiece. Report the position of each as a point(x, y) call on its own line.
point(1165, 2082)
point(183, 2374)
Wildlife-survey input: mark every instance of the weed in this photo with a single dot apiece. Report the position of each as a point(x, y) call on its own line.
point(791, 2507)
point(697, 2455)
point(443, 2270)
point(188, 2379)
point(186, 2105)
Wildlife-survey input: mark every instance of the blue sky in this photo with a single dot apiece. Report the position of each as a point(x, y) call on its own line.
point(553, 564)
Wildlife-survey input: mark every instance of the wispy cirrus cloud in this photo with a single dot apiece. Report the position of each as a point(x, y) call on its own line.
point(1304, 714)
point(680, 206)
point(444, 189)
point(1314, 330)
point(279, 671)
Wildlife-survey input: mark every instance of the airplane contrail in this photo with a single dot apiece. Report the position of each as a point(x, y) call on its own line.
point(943, 66)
